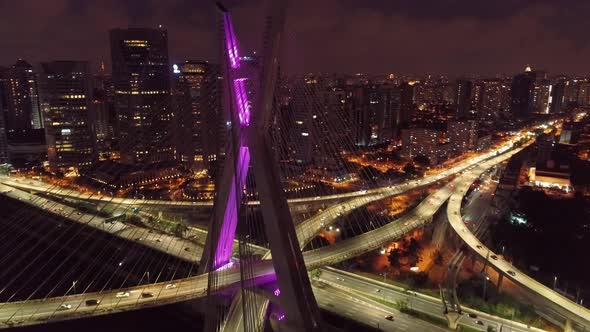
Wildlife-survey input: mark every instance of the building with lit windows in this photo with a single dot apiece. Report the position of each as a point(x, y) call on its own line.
point(197, 108)
point(21, 97)
point(491, 99)
point(462, 135)
point(65, 90)
point(463, 98)
point(3, 138)
point(141, 80)
point(421, 142)
point(522, 93)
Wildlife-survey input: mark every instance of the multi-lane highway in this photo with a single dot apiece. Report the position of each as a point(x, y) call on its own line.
point(565, 307)
point(31, 312)
point(360, 286)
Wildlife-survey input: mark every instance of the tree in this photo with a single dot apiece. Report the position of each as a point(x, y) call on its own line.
point(414, 247)
point(422, 160)
point(401, 304)
point(315, 274)
point(409, 169)
point(394, 257)
point(369, 174)
point(437, 257)
point(180, 229)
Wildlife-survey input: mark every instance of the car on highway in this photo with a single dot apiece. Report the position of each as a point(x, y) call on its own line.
point(146, 295)
point(64, 307)
point(92, 302)
point(389, 317)
point(339, 279)
point(478, 322)
point(472, 315)
point(122, 294)
point(479, 246)
point(494, 257)
point(170, 286)
point(510, 272)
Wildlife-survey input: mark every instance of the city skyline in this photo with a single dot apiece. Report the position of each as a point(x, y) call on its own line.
point(149, 157)
point(401, 37)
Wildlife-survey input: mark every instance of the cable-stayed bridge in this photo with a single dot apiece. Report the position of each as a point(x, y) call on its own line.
point(253, 259)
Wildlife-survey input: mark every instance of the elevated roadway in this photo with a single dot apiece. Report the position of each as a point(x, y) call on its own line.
point(558, 303)
point(39, 311)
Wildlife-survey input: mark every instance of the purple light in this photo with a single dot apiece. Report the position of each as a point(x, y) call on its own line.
point(277, 292)
point(230, 217)
point(281, 317)
point(241, 98)
point(230, 42)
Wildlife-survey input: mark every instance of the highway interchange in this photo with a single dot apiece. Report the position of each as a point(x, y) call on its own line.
point(161, 293)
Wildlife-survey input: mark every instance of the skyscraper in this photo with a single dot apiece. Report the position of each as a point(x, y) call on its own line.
point(407, 106)
point(197, 107)
point(4, 158)
point(522, 94)
point(141, 79)
point(22, 99)
point(463, 98)
point(65, 89)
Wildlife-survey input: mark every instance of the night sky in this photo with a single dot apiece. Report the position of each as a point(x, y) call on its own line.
point(374, 36)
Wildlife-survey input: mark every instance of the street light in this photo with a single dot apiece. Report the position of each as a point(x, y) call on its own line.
point(554, 282)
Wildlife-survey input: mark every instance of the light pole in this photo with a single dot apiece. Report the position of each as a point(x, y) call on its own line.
point(554, 282)
point(485, 284)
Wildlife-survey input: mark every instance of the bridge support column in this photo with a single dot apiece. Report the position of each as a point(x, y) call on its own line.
point(567, 327)
point(439, 234)
point(500, 280)
point(453, 319)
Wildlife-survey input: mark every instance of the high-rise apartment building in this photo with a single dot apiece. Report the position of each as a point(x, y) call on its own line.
point(141, 80)
point(421, 142)
point(65, 91)
point(4, 158)
point(491, 99)
point(463, 98)
point(462, 135)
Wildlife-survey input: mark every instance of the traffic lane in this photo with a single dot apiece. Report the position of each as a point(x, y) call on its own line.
point(368, 312)
point(433, 307)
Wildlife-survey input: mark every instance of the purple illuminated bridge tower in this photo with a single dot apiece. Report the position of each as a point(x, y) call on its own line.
point(250, 141)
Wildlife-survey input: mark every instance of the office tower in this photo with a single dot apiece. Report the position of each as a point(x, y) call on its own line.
point(141, 80)
point(22, 99)
point(463, 98)
point(389, 120)
point(303, 107)
point(101, 111)
point(65, 90)
point(421, 142)
point(407, 106)
point(198, 119)
point(462, 135)
point(522, 94)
